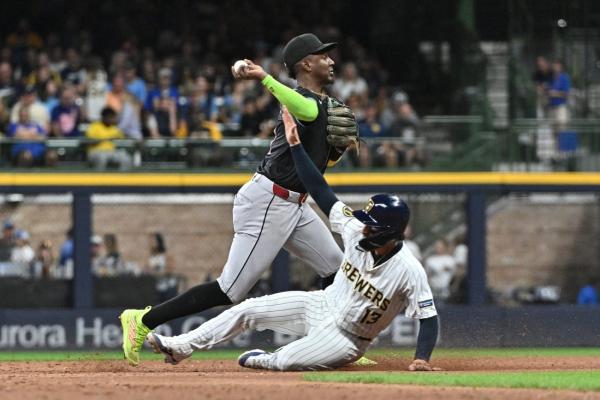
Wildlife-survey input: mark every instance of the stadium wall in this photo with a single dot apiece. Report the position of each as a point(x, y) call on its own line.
point(461, 326)
point(86, 327)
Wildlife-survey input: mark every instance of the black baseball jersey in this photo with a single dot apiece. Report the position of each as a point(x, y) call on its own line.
point(278, 164)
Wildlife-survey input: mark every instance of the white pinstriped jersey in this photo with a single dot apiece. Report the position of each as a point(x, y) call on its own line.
point(366, 298)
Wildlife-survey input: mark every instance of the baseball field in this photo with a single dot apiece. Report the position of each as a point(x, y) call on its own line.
point(560, 373)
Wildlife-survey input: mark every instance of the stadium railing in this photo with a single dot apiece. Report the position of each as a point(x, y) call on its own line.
point(449, 143)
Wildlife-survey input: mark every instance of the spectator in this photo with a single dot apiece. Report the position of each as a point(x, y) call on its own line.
point(57, 61)
point(130, 117)
point(278, 71)
point(115, 97)
point(461, 252)
point(387, 105)
point(37, 111)
point(24, 37)
point(251, 119)
point(103, 151)
point(66, 117)
point(7, 242)
point(440, 268)
point(6, 55)
point(558, 96)
point(458, 285)
point(135, 85)
point(165, 90)
point(165, 116)
point(162, 104)
point(113, 256)
point(97, 86)
point(74, 72)
point(149, 125)
point(117, 62)
point(8, 92)
point(22, 254)
point(406, 149)
point(200, 108)
point(413, 246)
point(23, 44)
point(542, 78)
point(42, 75)
point(268, 110)
point(110, 263)
point(148, 75)
point(49, 98)
point(588, 295)
point(370, 127)
point(43, 264)
point(234, 102)
point(112, 259)
point(30, 148)
point(350, 83)
point(160, 265)
point(157, 262)
point(97, 255)
point(65, 260)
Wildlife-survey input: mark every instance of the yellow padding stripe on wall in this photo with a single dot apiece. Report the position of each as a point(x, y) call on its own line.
point(336, 179)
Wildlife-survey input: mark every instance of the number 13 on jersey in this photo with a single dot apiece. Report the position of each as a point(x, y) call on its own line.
point(370, 316)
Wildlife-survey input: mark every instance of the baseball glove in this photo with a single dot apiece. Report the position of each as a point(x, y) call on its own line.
point(342, 128)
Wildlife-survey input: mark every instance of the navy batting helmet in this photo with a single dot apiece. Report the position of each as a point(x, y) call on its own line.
point(387, 214)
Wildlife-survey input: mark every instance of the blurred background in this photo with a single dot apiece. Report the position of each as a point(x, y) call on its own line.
point(508, 86)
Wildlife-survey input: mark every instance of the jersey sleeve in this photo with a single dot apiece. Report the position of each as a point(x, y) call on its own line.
point(420, 299)
point(343, 222)
point(303, 108)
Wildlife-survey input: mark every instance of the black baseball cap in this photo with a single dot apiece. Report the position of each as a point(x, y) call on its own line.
point(302, 46)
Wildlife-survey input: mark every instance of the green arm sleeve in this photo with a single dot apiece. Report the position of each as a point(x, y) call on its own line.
point(303, 108)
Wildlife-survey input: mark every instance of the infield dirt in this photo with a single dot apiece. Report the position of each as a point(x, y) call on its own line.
point(202, 379)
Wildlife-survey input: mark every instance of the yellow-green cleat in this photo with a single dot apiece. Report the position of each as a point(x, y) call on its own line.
point(134, 334)
point(364, 362)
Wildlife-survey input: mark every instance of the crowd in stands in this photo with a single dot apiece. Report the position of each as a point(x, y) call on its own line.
point(19, 257)
point(176, 89)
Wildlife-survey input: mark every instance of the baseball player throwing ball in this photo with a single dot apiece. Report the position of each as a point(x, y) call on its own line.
point(269, 211)
point(378, 278)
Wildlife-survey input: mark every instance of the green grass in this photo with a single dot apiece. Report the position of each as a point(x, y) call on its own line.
point(575, 380)
point(222, 354)
point(495, 352)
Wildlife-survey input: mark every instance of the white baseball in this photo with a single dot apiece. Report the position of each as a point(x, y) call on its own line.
point(239, 64)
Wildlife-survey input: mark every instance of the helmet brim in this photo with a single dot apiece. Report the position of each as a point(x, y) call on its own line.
point(365, 218)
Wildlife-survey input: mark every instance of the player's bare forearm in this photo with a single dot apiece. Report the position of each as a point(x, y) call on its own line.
point(308, 173)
